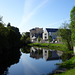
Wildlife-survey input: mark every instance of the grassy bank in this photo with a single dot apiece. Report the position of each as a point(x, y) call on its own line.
point(69, 63)
point(54, 46)
point(69, 72)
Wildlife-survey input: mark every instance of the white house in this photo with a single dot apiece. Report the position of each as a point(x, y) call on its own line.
point(49, 31)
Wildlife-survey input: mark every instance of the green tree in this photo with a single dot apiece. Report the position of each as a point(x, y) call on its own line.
point(13, 36)
point(25, 38)
point(49, 38)
point(72, 26)
point(39, 38)
point(65, 34)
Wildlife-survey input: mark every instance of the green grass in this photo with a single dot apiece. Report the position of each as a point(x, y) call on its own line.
point(54, 46)
point(69, 72)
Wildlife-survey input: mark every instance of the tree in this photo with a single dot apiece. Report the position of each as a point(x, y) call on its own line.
point(25, 39)
point(72, 26)
point(1, 18)
point(13, 36)
point(39, 38)
point(65, 34)
point(50, 38)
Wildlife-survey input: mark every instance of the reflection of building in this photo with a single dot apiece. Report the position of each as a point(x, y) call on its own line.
point(36, 53)
point(50, 54)
point(40, 53)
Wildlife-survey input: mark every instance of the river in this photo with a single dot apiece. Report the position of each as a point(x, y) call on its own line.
point(36, 61)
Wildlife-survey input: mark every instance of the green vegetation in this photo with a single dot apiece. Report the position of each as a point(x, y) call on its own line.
point(49, 38)
point(65, 34)
point(69, 72)
point(69, 63)
point(72, 26)
point(25, 39)
point(25, 49)
point(9, 37)
point(39, 38)
point(54, 46)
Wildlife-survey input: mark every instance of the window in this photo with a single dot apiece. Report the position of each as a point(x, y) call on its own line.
point(45, 34)
point(45, 37)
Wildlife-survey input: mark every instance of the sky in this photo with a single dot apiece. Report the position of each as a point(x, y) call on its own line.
point(28, 14)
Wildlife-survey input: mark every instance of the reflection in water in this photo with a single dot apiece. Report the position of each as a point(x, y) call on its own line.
point(29, 63)
point(40, 53)
point(25, 49)
point(36, 53)
point(7, 59)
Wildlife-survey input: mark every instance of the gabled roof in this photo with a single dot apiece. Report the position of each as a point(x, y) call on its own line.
point(51, 29)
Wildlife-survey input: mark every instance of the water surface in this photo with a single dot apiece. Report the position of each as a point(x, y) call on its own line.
point(36, 62)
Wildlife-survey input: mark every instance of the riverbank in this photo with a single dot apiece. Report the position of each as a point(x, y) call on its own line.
point(69, 65)
point(54, 46)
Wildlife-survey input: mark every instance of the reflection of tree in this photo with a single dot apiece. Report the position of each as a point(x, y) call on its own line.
point(7, 59)
point(39, 51)
point(25, 49)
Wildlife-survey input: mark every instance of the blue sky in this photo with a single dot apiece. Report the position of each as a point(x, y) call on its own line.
point(27, 14)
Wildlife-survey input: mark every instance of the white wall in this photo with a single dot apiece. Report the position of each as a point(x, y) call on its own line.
point(45, 32)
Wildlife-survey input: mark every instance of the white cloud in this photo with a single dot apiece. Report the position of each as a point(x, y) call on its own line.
point(27, 14)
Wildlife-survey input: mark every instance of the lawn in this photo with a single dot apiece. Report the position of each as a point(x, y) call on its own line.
point(69, 72)
point(54, 46)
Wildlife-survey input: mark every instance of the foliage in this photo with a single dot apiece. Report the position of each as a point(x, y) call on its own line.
point(54, 46)
point(72, 17)
point(69, 63)
point(50, 38)
point(25, 38)
point(9, 37)
point(39, 38)
point(66, 56)
point(65, 34)
point(69, 72)
point(14, 31)
point(25, 49)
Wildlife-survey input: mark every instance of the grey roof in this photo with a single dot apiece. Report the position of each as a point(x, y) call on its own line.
point(51, 29)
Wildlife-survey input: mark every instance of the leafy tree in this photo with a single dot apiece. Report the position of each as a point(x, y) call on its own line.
point(27, 34)
point(50, 38)
point(3, 36)
point(39, 38)
point(25, 38)
point(1, 18)
point(65, 34)
point(13, 36)
point(8, 25)
point(72, 17)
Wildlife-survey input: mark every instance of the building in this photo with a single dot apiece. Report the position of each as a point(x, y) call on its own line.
point(51, 32)
point(34, 33)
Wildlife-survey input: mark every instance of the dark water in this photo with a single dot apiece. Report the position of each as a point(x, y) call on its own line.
point(31, 61)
